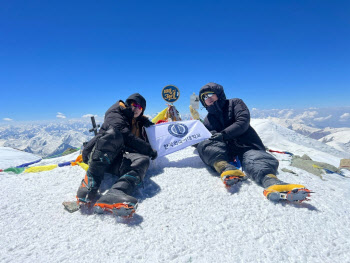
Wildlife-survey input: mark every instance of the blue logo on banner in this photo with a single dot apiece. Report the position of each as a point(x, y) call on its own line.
point(178, 130)
point(170, 93)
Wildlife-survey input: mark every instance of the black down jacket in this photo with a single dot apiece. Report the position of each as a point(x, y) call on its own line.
point(231, 117)
point(119, 117)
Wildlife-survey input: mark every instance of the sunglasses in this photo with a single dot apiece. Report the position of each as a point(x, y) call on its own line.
point(206, 96)
point(134, 104)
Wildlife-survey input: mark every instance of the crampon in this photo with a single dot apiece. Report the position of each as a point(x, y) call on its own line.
point(124, 210)
point(296, 195)
point(79, 204)
point(85, 203)
point(232, 180)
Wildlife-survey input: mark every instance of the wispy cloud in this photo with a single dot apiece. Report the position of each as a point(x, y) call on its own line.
point(323, 118)
point(286, 113)
point(60, 115)
point(307, 115)
point(7, 119)
point(88, 116)
point(344, 117)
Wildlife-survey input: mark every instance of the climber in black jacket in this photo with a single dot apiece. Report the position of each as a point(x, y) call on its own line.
point(119, 148)
point(229, 122)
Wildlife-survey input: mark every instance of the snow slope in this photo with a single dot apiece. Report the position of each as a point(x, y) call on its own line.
point(279, 138)
point(338, 138)
point(185, 214)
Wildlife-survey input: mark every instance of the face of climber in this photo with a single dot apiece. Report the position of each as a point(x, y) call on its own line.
point(210, 98)
point(136, 109)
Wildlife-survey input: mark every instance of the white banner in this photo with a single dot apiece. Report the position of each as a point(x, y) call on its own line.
point(170, 137)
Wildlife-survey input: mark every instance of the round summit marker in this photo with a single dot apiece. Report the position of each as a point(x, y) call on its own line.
point(170, 93)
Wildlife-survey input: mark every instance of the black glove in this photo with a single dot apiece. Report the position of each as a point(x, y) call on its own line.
point(153, 154)
point(217, 137)
point(146, 122)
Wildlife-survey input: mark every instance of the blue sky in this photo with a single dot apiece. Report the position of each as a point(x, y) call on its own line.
point(79, 57)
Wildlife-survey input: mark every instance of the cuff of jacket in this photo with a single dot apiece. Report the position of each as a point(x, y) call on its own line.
point(225, 136)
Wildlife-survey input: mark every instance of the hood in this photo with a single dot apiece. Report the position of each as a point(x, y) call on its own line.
point(139, 100)
point(219, 91)
point(214, 87)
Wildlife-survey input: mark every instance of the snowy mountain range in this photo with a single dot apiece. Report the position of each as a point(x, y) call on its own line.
point(330, 126)
point(313, 117)
point(46, 138)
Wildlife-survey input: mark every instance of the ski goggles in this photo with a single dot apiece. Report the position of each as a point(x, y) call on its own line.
point(207, 95)
point(134, 104)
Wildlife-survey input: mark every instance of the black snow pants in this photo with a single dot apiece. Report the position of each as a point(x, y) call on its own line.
point(134, 164)
point(107, 155)
point(255, 163)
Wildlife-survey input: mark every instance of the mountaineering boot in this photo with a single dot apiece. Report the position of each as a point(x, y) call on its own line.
point(230, 175)
point(276, 190)
point(118, 199)
point(87, 190)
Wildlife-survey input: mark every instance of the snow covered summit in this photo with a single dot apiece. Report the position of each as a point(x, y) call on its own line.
point(185, 213)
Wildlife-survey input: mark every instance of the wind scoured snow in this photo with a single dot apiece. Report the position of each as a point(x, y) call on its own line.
point(11, 157)
point(339, 139)
point(185, 214)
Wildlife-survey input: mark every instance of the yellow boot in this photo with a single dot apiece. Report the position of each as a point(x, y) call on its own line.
point(229, 174)
point(280, 190)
